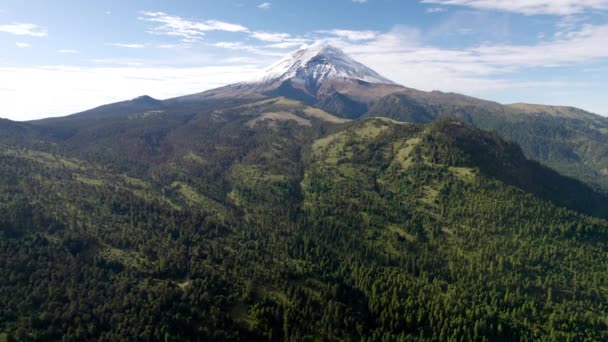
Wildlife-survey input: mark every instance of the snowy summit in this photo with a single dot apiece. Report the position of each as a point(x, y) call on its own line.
point(319, 63)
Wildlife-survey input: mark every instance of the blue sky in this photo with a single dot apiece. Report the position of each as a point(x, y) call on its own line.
point(64, 56)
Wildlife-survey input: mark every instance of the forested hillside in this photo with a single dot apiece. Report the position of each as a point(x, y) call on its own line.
point(235, 224)
point(569, 140)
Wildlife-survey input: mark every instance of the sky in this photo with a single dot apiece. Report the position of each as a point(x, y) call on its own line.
point(64, 56)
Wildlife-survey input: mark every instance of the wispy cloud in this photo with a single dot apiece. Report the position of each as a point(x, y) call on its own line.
point(270, 36)
point(67, 51)
point(359, 1)
point(249, 48)
point(129, 45)
point(487, 28)
point(265, 5)
point(287, 44)
point(279, 40)
point(24, 30)
point(529, 7)
point(570, 23)
point(402, 56)
point(230, 45)
point(118, 61)
point(187, 30)
point(23, 45)
point(586, 44)
point(192, 31)
point(174, 46)
point(436, 10)
point(354, 35)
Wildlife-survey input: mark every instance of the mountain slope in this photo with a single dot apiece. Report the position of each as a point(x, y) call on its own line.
point(139, 104)
point(505, 161)
point(570, 140)
point(275, 231)
point(452, 237)
point(319, 75)
point(158, 143)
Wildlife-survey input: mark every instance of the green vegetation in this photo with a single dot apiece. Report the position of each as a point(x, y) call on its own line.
point(570, 140)
point(198, 226)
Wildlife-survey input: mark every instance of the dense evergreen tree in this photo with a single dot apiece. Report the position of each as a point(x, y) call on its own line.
point(373, 231)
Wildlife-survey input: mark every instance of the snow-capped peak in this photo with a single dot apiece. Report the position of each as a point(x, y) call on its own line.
point(319, 63)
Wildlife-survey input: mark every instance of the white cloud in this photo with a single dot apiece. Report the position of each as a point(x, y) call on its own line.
point(587, 44)
point(67, 51)
point(279, 40)
point(286, 45)
point(173, 46)
point(270, 36)
point(404, 47)
point(488, 28)
point(24, 30)
point(265, 5)
point(436, 10)
point(529, 7)
point(216, 25)
point(570, 23)
point(23, 45)
point(230, 45)
point(351, 34)
point(239, 60)
point(61, 90)
point(188, 30)
point(129, 45)
point(191, 31)
point(264, 51)
point(118, 61)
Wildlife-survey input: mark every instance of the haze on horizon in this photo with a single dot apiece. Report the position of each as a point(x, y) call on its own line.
point(61, 58)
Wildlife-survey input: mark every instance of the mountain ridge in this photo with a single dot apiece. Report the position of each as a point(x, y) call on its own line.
point(570, 140)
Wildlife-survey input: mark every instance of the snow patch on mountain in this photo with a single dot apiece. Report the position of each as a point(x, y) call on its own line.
point(319, 63)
